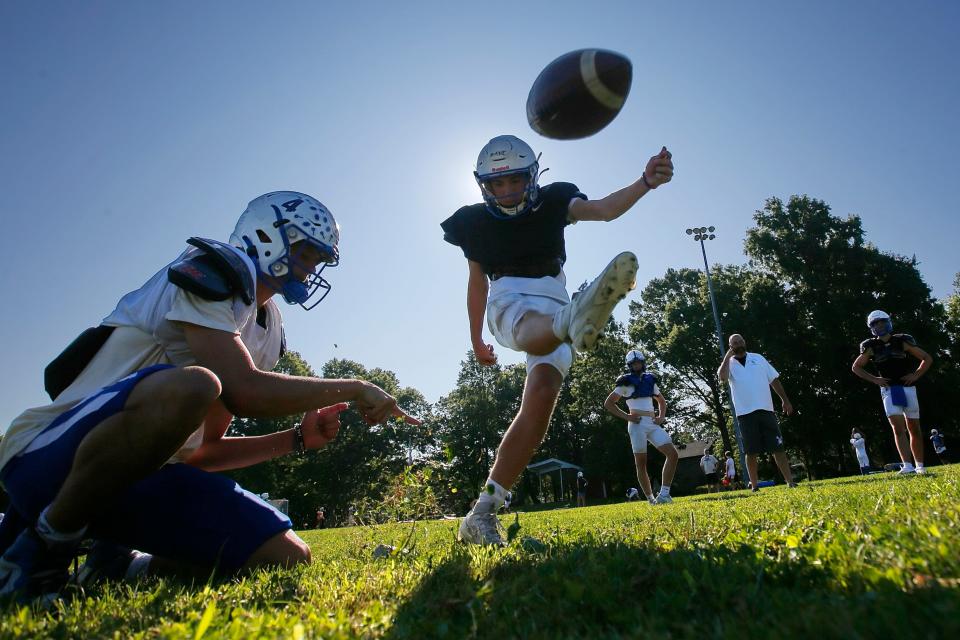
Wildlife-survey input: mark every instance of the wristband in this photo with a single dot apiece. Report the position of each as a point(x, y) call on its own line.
point(299, 445)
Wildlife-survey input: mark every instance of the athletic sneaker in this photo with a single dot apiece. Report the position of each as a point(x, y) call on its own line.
point(33, 570)
point(920, 471)
point(662, 499)
point(105, 561)
point(652, 500)
point(906, 471)
point(582, 321)
point(481, 528)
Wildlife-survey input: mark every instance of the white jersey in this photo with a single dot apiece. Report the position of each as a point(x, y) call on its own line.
point(731, 468)
point(148, 333)
point(861, 447)
point(750, 384)
point(709, 463)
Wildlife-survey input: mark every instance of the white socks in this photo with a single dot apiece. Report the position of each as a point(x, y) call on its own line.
point(491, 498)
point(53, 537)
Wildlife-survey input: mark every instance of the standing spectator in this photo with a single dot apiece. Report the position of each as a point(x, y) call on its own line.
point(750, 377)
point(321, 518)
point(581, 489)
point(892, 354)
point(730, 472)
point(860, 446)
point(939, 446)
point(351, 516)
point(709, 465)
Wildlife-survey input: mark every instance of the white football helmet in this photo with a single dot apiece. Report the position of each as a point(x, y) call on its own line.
point(275, 221)
point(633, 355)
point(504, 156)
point(879, 315)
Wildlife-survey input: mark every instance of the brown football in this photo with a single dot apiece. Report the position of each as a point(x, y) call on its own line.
point(579, 93)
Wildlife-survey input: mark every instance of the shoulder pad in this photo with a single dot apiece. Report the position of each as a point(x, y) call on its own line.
point(906, 337)
point(217, 273)
point(866, 344)
point(623, 381)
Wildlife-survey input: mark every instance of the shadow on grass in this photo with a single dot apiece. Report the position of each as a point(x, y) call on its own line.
point(614, 590)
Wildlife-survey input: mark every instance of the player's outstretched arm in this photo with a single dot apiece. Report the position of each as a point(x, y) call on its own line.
point(217, 453)
point(477, 289)
point(249, 392)
point(659, 170)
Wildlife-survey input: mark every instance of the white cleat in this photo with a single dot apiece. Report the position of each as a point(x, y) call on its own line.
point(662, 499)
point(906, 472)
point(583, 320)
point(920, 471)
point(481, 528)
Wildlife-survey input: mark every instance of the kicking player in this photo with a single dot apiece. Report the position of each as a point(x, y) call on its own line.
point(514, 245)
point(125, 453)
point(643, 423)
point(889, 353)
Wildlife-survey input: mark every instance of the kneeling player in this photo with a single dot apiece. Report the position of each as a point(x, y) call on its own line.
point(643, 423)
point(889, 353)
point(126, 452)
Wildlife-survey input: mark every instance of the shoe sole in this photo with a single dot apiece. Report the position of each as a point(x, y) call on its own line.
point(616, 281)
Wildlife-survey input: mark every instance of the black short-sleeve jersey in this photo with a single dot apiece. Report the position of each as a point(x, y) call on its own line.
point(890, 358)
point(504, 245)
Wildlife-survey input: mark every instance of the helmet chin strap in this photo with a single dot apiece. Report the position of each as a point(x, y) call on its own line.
point(294, 291)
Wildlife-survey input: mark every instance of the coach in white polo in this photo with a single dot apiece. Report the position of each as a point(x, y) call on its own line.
point(750, 377)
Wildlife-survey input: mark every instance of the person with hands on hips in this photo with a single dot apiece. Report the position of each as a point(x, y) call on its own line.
point(644, 425)
point(891, 355)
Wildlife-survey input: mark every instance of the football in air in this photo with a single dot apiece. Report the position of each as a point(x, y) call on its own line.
point(579, 93)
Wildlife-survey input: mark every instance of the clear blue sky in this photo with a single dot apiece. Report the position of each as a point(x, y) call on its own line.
point(126, 127)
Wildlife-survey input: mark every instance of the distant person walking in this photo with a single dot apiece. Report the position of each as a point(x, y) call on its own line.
point(860, 446)
point(750, 377)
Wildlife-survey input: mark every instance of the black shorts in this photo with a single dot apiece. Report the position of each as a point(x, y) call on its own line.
point(760, 432)
point(712, 478)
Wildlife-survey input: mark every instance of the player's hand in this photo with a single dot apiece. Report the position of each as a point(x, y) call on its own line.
point(788, 407)
point(376, 405)
point(320, 426)
point(659, 420)
point(485, 354)
point(883, 382)
point(910, 378)
point(659, 169)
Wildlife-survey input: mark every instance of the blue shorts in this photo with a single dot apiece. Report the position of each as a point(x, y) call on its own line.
point(179, 512)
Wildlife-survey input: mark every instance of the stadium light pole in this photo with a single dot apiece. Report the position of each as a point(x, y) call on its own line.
point(702, 234)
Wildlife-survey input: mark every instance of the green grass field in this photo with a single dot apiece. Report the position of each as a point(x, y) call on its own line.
point(848, 558)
